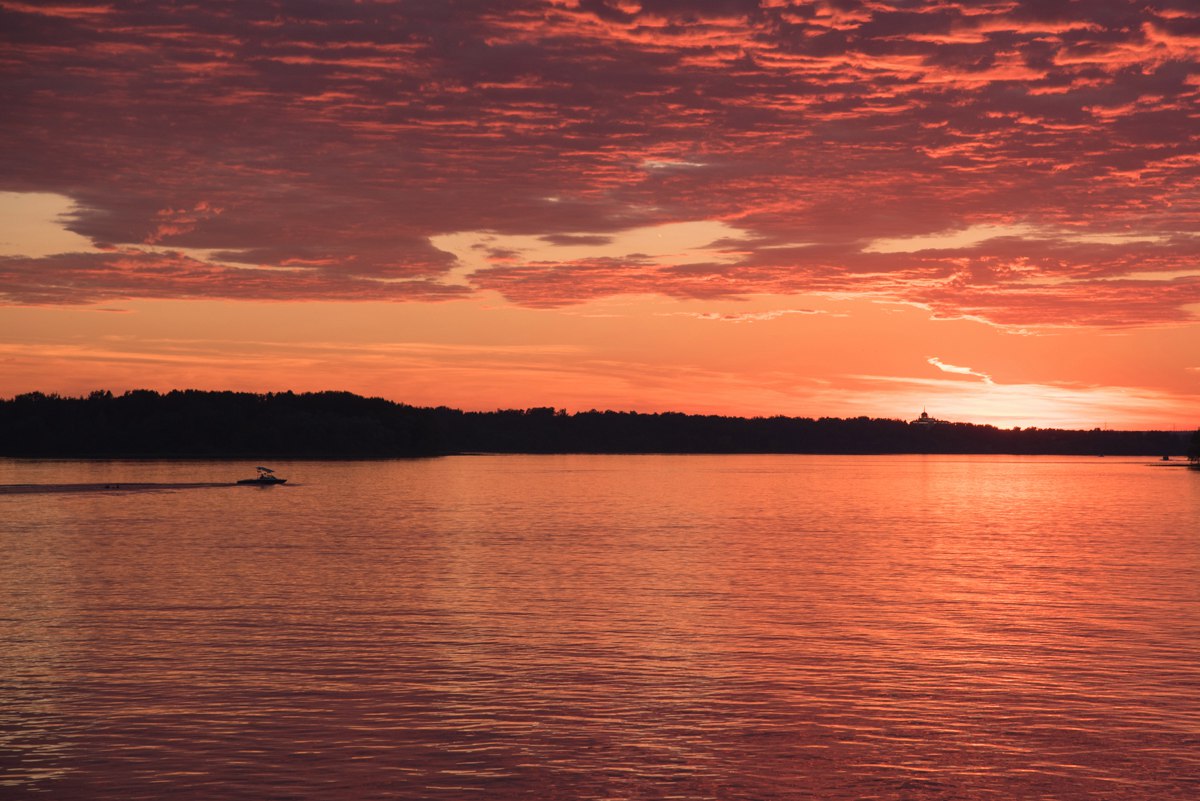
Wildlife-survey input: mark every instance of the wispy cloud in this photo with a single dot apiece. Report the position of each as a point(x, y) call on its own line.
point(745, 317)
point(951, 368)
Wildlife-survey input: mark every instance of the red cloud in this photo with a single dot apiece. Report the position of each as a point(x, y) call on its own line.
point(92, 278)
point(339, 141)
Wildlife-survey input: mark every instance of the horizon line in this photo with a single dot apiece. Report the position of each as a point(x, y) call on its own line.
point(932, 421)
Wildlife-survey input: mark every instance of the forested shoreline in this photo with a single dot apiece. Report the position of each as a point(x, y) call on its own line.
point(204, 424)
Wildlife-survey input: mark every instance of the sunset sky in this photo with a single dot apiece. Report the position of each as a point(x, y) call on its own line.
point(753, 207)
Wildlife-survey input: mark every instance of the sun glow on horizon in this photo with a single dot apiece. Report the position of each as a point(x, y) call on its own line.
point(714, 207)
point(732, 358)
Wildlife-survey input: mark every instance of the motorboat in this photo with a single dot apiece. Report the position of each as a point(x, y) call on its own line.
point(266, 478)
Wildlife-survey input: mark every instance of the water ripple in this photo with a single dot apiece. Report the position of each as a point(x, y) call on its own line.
point(605, 627)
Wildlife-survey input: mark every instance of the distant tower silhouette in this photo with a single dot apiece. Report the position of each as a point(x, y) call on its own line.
point(925, 419)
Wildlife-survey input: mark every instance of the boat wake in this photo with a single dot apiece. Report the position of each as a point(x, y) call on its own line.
point(22, 489)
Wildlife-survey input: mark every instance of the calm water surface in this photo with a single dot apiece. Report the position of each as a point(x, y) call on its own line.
point(603, 627)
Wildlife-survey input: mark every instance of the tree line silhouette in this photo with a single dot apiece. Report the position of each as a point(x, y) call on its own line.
point(194, 423)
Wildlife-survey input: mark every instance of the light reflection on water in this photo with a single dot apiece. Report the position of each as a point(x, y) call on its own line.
point(604, 627)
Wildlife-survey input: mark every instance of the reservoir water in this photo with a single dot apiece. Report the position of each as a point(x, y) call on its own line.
point(602, 627)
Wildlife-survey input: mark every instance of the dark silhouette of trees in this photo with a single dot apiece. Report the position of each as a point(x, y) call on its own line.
point(192, 423)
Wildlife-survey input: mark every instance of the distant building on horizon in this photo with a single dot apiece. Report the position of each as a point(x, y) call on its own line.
point(926, 420)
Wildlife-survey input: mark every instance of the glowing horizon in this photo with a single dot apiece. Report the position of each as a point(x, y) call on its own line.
point(744, 208)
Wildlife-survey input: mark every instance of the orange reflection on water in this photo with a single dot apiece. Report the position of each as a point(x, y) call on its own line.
point(574, 626)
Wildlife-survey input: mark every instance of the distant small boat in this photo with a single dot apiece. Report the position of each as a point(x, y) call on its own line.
point(266, 478)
